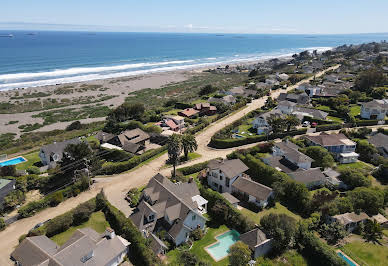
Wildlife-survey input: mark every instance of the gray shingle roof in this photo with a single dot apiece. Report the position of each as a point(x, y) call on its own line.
point(230, 168)
point(59, 147)
point(229, 197)
point(308, 176)
point(379, 141)
point(325, 139)
point(253, 238)
point(250, 187)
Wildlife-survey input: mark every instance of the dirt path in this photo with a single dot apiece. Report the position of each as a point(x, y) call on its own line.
point(115, 187)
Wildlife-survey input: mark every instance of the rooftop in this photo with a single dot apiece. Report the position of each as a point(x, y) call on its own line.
point(230, 168)
point(250, 187)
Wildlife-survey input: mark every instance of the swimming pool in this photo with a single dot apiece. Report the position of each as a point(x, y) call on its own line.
point(220, 249)
point(349, 262)
point(13, 161)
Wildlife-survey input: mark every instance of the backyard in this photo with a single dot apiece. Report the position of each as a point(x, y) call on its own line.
point(32, 160)
point(277, 209)
point(367, 253)
point(96, 221)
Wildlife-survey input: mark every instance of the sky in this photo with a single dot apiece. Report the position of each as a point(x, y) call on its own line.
point(205, 16)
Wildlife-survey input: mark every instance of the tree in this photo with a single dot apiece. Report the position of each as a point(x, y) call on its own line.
point(239, 254)
point(281, 228)
point(370, 78)
point(366, 150)
point(77, 157)
point(189, 144)
point(8, 170)
point(321, 156)
point(253, 73)
point(277, 123)
point(14, 198)
point(333, 232)
point(291, 121)
point(74, 126)
point(127, 111)
point(354, 178)
point(174, 148)
point(269, 103)
point(207, 90)
point(354, 96)
point(369, 200)
point(372, 231)
point(2, 224)
point(188, 259)
point(378, 93)
point(294, 195)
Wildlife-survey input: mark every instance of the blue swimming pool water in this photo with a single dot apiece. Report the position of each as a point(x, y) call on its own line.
point(225, 241)
point(12, 161)
point(349, 262)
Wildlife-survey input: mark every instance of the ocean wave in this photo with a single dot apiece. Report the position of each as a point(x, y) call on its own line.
point(84, 70)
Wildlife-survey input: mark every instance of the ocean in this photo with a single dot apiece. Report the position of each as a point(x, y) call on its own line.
point(30, 59)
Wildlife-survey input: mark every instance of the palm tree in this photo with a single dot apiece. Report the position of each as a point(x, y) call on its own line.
point(189, 144)
point(291, 121)
point(174, 148)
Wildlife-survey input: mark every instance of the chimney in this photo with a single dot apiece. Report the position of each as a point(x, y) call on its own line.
point(110, 233)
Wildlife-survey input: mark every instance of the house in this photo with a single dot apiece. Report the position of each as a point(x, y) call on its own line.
point(133, 141)
point(205, 109)
point(222, 173)
point(311, 178)
point(84, 247)
point(257, 241)
point(103, 137)
point(380, 141)
point(310, 90)
point(157, 245)
point(228, 100)
point(173, 123)
point(291, 153)
point(375, 109)
point(350, 220)
point(228, 176)
point(52, 153)
point(332, 178)
point(282, 77)
point(260, 122)
point(178, 120)
point(252, 191)
point(189, 113)
point(6, 186)
point(241, 91)
point(176, 208)
point(380, 219)
point(301, 98)
point(338, 144)
point(232, 200)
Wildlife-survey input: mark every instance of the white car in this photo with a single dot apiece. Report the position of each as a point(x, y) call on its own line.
point(306, 124)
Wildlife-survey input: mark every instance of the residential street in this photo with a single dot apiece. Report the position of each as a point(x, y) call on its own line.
point(115, 187)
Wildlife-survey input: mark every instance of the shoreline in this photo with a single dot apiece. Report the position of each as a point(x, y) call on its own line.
point(142, 72)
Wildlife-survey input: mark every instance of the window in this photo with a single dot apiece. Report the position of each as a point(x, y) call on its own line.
point(220, 177)
point(227, 181)
point(151, 217)
point(193, 217)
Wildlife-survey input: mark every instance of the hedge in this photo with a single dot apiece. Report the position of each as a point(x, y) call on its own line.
point(139, 250)
point(195, 168)
point(328, 127)
point(230, 143)
point(111, 168)
point(232, 217)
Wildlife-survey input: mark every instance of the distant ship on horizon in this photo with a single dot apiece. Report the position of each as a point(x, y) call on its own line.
point(7, 35)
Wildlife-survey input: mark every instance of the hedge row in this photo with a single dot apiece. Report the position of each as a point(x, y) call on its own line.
point(139, 252)
point(328, 127)
point(51, 200)
point(195, 168)
point(111, 168)
point(360, 123)
point(230, 143)
point(223, 212)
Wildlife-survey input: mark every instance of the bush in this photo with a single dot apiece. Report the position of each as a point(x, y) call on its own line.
point(74, 126)
point(230, 143)
point(134, 195)
point(83, 212)
point(328, 127)
point(195, 168)
point(2, 224)
point(59, 224)
point(197, 234)
point(33, 170)
point(116, 168)
point(224, 213)
point(56, 198)
point(354, 178)
point(8, 170)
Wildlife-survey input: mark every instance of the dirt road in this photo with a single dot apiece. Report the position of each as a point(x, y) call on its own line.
point(115, 187)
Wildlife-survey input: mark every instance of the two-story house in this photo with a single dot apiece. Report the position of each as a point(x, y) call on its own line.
point(229, 176)
point(52, 153)
point(290, 152)
point(375, 109)
point(338, 144)
point(177, 208)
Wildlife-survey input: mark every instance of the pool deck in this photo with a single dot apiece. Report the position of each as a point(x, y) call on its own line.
point(349, 258)
point(8, 159)
point(212, 244)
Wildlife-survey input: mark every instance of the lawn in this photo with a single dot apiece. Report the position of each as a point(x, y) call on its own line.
point(96, 221)
point(367, 253)
point(355, 110)
point(278, 209)
point(288, 258)
point(356, 165)
point(198, 247)
point(335, 119)
point(32, 158)
point(323, 108)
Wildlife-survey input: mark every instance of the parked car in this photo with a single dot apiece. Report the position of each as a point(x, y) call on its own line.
point(306, 124)
point(314, 124)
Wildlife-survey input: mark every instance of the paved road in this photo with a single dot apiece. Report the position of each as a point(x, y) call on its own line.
point(115, 187)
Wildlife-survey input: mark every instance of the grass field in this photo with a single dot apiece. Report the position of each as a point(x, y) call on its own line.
point(367, 253)
point(355, 110)
point(32, 158)
point(335, 119)
point(278, 209)
point(198, 248)
point(96, 221)
point(356, 165)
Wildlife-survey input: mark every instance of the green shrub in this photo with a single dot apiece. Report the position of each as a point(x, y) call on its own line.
point(195, 168)
point(2, 224)
point(33, 170)
point(197, 234)
point(328, 127)
point(59, 224)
